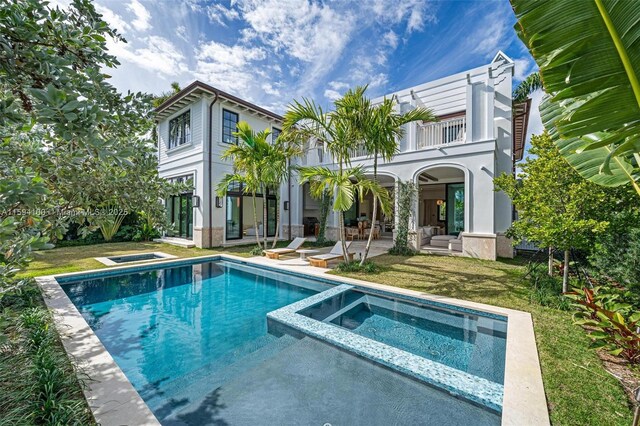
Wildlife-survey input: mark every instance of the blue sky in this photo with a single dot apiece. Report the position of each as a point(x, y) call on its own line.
point(272, 51)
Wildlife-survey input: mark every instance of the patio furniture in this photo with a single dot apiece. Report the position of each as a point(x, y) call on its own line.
point(291, 248)
point(322, 260)
point(304, 252)
point(456, 243)
point(441, 240)
point(350, 233)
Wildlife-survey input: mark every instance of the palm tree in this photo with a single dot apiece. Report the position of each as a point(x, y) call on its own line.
point(346, 183)
point(276, 165)
point(340, 131)
point(527, 87)
point(247, 159)
point(383, 127)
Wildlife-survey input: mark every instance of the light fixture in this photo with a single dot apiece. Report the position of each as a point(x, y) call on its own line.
point(286, 205)
point(195, 201)
point(218, 202)
point(440, 202)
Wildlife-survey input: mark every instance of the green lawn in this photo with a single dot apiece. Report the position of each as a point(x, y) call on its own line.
point(579, 390)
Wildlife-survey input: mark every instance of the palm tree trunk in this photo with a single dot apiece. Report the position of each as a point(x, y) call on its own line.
point(375, 210)
point(275, 238)
point(550, 264)
point(255, 219)
point(264, 216)
point(342, 239)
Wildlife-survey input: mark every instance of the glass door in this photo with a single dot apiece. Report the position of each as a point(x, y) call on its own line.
point(455, 208)
point(234, 217)
point(272, 216)
point(180, 212)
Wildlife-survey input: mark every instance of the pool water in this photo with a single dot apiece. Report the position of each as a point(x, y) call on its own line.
point(193, 341)
point(134, 258)
point(464, 341)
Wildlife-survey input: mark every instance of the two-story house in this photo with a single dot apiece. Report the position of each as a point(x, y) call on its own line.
point(479, 135)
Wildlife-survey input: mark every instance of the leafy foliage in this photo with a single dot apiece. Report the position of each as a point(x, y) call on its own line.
point(71, 143)
point(527, 87)
point(368, 267)
point(37, 382)
point(617, 251)
point(612, 321)
point(589, 59)
point(407, 193)
point(556, 207)
point(546, 290)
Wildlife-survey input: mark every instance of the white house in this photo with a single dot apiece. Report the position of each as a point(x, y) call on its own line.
point(479, 135)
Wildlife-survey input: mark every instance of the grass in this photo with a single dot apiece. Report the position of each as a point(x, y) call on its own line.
point(81, 258)
point(579, 390)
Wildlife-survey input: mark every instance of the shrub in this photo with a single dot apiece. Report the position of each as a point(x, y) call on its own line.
point(611, 318)
point(256, 251)
point(368, 267)
point(546, 291)
point(617, 251)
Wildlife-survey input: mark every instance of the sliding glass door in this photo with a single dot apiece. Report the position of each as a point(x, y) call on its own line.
point(180, 211)
point(455, 208)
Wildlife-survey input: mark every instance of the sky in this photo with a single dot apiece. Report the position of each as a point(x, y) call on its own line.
point(270, 52)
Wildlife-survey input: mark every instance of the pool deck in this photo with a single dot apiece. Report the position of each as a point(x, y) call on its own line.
point(114, 401)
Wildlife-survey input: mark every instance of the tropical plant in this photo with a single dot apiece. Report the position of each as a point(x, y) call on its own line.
point(588, 54)
point(617, 251)
point(527, 86)
point(247, 157)
point(382, 128)
point(611, 320)
point(346, 184)
point(275, 168)
point(65, 131)
point(341, 131)
point(556, 207)
point(326, 200)
point(406, 194)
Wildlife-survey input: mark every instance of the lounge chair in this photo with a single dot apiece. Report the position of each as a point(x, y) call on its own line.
point(322, 260)
point(291, 248)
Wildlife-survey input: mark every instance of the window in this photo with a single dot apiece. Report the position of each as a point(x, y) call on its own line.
point(180, 130)
point(275, 132)
point(229, 126)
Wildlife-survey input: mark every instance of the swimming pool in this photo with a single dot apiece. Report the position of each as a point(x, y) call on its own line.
point(195, 342)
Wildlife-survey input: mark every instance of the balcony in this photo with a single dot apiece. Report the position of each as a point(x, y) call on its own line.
point(442, 132)
point(449, 131)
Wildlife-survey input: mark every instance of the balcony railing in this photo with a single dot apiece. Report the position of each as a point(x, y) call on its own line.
point(442, 133)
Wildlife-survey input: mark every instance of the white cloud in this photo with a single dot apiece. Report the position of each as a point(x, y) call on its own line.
point(270, 90)
point(521, 68)
point(113, 19)
point(157, 54)
point(391, 39)
point(489, 38)
point(332, 95)
point(220, 14)
point(338, 85)
point(231, 68)
point(142, 21)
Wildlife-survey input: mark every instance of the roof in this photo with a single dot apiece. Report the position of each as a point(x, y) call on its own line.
point(197, 89)
point(520, 123)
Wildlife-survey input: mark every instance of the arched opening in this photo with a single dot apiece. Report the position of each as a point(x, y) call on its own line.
point(442, 204)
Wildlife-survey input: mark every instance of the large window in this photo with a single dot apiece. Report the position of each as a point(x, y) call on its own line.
point(180, 130)
point(275, 132)
point(229, 123)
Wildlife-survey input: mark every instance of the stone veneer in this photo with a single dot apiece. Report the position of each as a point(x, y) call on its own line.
point(201, 237)
point(296, 231)
point(504, 246)
point(481, 246)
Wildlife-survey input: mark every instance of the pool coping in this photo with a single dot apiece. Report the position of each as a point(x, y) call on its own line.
point(114, 401)
point(161, 256)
